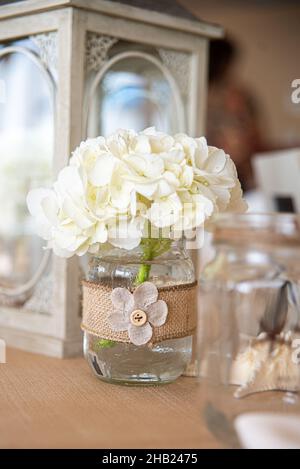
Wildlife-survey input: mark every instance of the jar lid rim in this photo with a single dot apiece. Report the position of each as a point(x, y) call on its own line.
point(258, 228)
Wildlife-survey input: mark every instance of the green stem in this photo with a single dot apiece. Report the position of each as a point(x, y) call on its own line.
point(151, 247)
point(143, 274)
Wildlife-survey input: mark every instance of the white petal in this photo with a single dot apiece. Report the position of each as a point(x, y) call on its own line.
point(167, 185)
point(118, 322)
point(125, 243)
point(175, 155)
point(126, 234)
point(223, 197)
point(34, 199)
point(216, 161)
point(150, 131)
point(196, 209)
point(100, 235)
point(161, 142)
point(97, 197)
point(121, 193)
point(237, 203)
point(140, 335)
point(101, 173)
point(76, 213)
point(147, 165)
point(203, 204)
point(201, 153)
point(145, 294)
point(64, 239)
point(58, 251)
point(155, 166)
point(165, 212)
point(146, 189)
point(189, 145)
point(50, 208)
point(141, 144)
point(117, 143)
point(83, 246)
point(157, 313)
point(133, 203)
point(69, 182)
point(122, 300)
point(187, 176)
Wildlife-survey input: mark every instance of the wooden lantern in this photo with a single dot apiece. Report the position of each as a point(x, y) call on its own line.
point(81, 68)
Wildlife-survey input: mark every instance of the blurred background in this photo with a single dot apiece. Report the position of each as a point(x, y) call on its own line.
point(250, 109)
point(265, 35)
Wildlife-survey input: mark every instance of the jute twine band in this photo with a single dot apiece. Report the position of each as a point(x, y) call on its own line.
point(181, 319)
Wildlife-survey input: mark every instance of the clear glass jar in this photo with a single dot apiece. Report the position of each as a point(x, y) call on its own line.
point(249, 327)
point(125, 363)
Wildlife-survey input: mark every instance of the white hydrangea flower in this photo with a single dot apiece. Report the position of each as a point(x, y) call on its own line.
point(112, 187)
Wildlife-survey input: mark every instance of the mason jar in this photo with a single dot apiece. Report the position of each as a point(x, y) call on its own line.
point(163, 265)
point(249, 347)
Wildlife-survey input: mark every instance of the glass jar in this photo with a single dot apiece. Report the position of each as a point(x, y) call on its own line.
point(249, 327)
point(126, 363)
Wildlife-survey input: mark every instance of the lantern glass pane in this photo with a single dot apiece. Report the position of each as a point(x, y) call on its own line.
point(134, 92)
point(26, 153)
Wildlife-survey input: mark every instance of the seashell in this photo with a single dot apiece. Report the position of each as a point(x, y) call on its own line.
point(246, 365)
point(266, 366)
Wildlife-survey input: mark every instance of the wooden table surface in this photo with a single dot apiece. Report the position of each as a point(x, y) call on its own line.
point(51, 403)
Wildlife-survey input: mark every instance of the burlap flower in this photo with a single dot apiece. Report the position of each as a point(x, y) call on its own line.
point(137, 312)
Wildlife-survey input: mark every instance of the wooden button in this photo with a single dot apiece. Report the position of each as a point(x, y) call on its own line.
point(138, 317)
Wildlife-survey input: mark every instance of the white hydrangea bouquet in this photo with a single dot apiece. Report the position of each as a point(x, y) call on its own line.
point(134, 193)
point(115, 188)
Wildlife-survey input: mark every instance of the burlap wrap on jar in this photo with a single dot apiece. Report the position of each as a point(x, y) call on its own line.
point(181, 320)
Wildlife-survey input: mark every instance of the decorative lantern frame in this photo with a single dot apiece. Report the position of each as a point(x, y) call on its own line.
point(74, 40)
